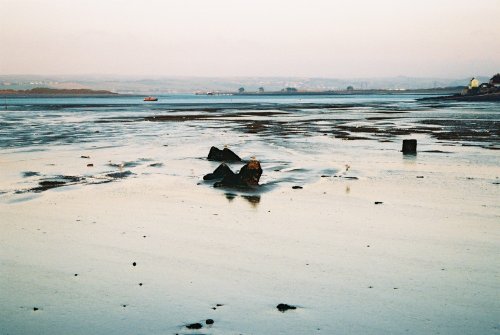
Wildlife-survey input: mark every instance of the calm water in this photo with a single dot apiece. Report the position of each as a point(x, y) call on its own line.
point(40, 122)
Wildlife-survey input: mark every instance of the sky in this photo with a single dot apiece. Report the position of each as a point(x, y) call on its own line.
point(256, 38)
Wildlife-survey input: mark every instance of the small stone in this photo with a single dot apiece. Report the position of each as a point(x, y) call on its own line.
point(84, 156)
point(194, 326)
point(420, 176)
point(76, 274)
point(90, 165)
point(296, 187)
point(35, 309)
point(219, 305)
point(124, 306)
point(370, 286)
point(134, 264)
point(378, 202)
point(209, 321)
point(140, 284)
point(285, 307)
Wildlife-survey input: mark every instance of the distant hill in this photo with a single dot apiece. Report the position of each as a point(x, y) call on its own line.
point(165, 85)
point(52, 91)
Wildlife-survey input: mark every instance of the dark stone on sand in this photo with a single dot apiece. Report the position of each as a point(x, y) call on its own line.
point(420, 177)
point(196, 325)
point(224, 155)
point(219, 305)
point(378, 202)
point(409, 147)
point(76, 274)
point(297, 187)
point(35, 309)
point(285, 307)
point(134, 264)
point(156, 165)
point(90, 165)
point(119, 175)
point(248, 176)
point(84, 156)
point(220, 172)
point(209, 321)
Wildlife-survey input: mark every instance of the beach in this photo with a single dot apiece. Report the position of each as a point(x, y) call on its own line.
point(133, 241)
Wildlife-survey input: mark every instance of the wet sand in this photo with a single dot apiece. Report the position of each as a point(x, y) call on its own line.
point(372, 242)
point(422, 261)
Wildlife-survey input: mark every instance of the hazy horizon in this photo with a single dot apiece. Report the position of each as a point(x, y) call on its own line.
point(232, 38)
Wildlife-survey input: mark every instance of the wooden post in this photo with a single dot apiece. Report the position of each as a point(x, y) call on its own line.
point(409, 147)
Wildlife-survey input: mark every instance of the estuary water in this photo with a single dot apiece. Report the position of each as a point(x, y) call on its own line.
point(298, 134)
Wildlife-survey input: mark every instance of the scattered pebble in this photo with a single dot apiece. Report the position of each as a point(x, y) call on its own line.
point(378, 202)
point(219, 305)
point(134, 264)
point(140, 284)
point(90, 165)
point(420, 176)
point(209, 322)
point(35, 309)
point(296, 187)
point(124, 306)
point(285, 307)
point(370, 286)
point(76, 274)
point(194, 326)
point(84, 156)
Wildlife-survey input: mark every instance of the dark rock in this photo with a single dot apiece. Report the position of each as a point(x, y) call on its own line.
point(76, 274)
point(220, 172)
point(378, 202)
point(194, 326)
point(84, 156)
point(420, 176)
point(248, 176)
point(134, 264)
point(224, 155)
point(410, 147)
point(35, 309)
point(209, 321)
point(90, 165)
point(296, 187)
point(219, 305)
point(140, 284)
point(285, 307)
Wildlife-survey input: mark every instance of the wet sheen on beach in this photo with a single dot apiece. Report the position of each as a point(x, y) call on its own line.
point(108, 224)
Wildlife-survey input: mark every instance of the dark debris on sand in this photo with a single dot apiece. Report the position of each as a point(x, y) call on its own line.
point(285, 307)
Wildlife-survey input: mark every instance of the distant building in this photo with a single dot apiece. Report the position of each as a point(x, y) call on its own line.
point(474, 83)
point(495, 80)
point(261, 89)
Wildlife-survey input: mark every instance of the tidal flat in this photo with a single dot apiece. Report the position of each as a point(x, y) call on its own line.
point(107, 226)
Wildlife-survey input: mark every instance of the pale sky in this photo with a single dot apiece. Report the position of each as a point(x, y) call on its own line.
point(311, 38)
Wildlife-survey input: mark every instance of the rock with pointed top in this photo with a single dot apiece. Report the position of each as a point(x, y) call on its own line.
point(220, 172)
point(224, 155)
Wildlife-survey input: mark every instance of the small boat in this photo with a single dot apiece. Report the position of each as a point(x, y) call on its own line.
point(150, 99)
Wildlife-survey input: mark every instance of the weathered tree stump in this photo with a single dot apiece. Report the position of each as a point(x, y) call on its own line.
point(222, 171)
point(224, 155)
point(410, 147)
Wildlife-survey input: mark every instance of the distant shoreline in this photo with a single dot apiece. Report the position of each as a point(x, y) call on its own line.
point(50, 92)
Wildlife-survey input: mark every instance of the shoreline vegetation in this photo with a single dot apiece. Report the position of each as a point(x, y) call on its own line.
point(45, 91)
